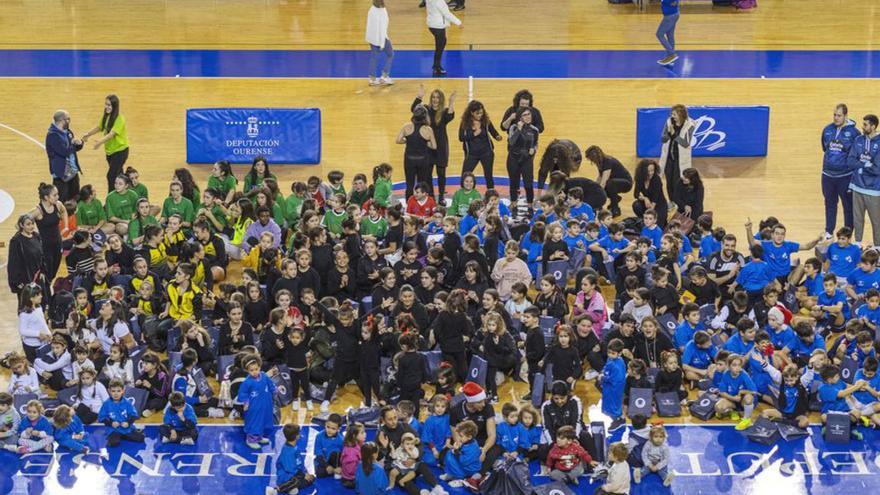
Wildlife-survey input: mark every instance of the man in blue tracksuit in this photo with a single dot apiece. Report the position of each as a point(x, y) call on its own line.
point(865, 183)
point(666, 30)
point(837, 139)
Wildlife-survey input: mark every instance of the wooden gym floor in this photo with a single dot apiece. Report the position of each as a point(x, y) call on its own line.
point(360, 123)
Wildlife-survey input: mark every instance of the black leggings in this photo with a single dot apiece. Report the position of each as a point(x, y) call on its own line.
point(417, 169)
point(133, 436)
point(519, 165)
point(543, 174)
point(86, 415)
point(369, 384)
point(488, 160)
point(441, 160)
point(425, 472)
point(201, 408)
point(299, 384)
point(165, 432)
point(505, 365)
point(116, 161)
point(52, 257)
point(613, 189)
point(343, 371)
point(439, 46)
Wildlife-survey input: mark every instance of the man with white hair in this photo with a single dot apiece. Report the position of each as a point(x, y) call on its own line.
point(61, 148)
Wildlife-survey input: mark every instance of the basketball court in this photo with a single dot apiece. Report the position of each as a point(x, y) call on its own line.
point(590, 65)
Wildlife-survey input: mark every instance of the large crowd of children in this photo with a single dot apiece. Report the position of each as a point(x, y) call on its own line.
point(343, 283)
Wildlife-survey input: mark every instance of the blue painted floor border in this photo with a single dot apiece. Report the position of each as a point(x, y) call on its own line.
point(707, 459)
point(519, 64)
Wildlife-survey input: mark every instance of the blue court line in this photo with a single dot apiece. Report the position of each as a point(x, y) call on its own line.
point(519, 64)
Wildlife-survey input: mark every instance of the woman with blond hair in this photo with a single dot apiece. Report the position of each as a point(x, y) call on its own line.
point(439, 115)
point(678, 142)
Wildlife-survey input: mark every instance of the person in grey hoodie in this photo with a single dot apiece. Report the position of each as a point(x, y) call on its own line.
point(655, 456)
point(9, 421)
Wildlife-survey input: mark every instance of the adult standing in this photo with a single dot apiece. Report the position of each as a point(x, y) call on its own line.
point(418, 137)
point(47, 215)
point(26, 263)
point(649, 192)
point(689, 194)
point(837, 139)
point(865, 184)
point(560, 154)
point(522, 144)
point(678, 141)
point(522, 99)
point(377, 37)
point(440, 116)
point(478, 147)
point(614, 178)
point(114, 140)
point(439, 18)
point(666, 30)
point(61, 148)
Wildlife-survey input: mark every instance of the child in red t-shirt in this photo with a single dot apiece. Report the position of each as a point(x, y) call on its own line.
point(567, 459)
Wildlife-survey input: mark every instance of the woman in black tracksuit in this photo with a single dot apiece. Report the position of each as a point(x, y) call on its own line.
point(418, 136)
point(521, 147)
point(439, 117)
point(478, 147)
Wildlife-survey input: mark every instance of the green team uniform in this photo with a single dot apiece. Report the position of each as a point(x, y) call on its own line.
point(382, 192)
point(90, 214)
point(141, 191)
point(250, 184)
point(122, 206)
point(360, 197)
point(136, 227)
point(461, 200)
point(184, 209)
point(224, 185)
point(376, 228)
point(333, 221)
point(292, 209)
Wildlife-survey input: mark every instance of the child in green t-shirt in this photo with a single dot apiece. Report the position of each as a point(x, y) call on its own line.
point(142, 219)
point(90, 213)
point(374, 224)
point(335, 215)
point(463, 198)
point(382, 185)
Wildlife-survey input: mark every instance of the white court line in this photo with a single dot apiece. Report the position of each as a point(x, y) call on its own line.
point(26, 136)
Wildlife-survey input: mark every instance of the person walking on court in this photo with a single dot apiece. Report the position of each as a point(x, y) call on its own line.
point(439, 18)
point(115, 139)
point(440, 116)
point(61, 148)
point(418, 137)
point(837, 139)
point(864, 161)
point(666, 30)
point(377, 37)
point(474, 135)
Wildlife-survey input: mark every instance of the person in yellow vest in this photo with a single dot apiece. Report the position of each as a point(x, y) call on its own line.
point(184, 303)
point(215, 249)
point(193, 253)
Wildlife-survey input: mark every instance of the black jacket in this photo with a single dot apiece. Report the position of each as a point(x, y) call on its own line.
point(569, 414)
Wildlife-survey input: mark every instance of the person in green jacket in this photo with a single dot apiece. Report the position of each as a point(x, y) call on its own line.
point(382, 185)
point(142, 219)
point(223, 181)
point(136, 184)
point(294, 202)
point(253, 181)
point(121, 204)
point(176, 203)
point(463, 198)
point(90, 213)
point(360, 192)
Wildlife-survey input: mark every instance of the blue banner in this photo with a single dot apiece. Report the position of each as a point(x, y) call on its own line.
point(719, 131)
point(282, 135)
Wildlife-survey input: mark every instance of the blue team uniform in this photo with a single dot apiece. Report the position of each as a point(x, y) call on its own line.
point(836, 144)
point(698, 358)
point(257, 393)
point(843, 260)
point(779, 257)
point(654, 233)
point(872, 315)
point(172, 419)
point(64, 436)
point(828, 394)
point(736, 345)
point(754, 276)
point(861, 280)
point(862, 396)
point(759, 375)
point(801, 349)
point(814, 284)
point(684, 333)
point(374, 484)
point(435, 432)
point(326, 446)
point(781, 339)
point(791, 398)
point(534, 250)
point(838, 297)
point(289, 463)
point(120, 412)
point(584, 211)
point(464, 463)
point(613, 381)
point(614, 248)
point(572, 242)
point(732, 385)
point(531, 437)
point(508, 436)
point(708, 245)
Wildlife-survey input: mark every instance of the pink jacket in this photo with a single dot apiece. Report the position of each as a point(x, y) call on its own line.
point(595, 307)
point(349, 460)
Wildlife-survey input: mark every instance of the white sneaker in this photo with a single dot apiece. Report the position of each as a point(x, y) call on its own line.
point(445, 477)
point(309, 405)
point(271, 491)
point(325, 406)
point(591, 375)
point(438, 490)
point(164, 440)
point(296, 405)
point(386, 80)
point(375, 82)
point(456, 483)
point(214, 412)
point(337, 476)
point(187, 441)
point(637, 476)
point(264, 441)
point(147, 413)
point(670, 475)
point(424, 492)
point(233, 414)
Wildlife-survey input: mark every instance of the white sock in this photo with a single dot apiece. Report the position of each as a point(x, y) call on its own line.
point(748, 409)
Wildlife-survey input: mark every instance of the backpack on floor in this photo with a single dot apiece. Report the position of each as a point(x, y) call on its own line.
point(507, 477)
point(63, 303)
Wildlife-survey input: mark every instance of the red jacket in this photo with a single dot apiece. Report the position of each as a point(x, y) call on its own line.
point(424, 211)
point(567, 459)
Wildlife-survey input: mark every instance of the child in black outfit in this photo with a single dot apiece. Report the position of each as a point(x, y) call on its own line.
point(536, 347)
point(664, 297)
point(636, 377)
point(369, 360)
point(296, 354)
point(563, 355)
point(410, 369)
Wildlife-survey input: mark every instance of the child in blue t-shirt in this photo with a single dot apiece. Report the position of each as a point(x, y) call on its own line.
point(737, 390)
point(869, 313)
point(801, 349)
point(793, 402)
point(614, 244)
point(529, 419)
point(831, 307)
point(328, 448)
point(509, 432)
point(865, 277)
point(290, 473)
point(843, 256)
point(690, 323)
point(463, 460)
point(69, 431)
point(370, 478)
point(179, 423)
point(764, 374)
point(577, 209)
point(867, 400)
point(756, 274)
point(717, 370)
point(651, 230)
point(120, 415)
point(698, 356)
point(778, 251)
point(436, 431)
point(813, 278)
point(613, 384)
point(834, 394)
point(743, 340)
point(574, 238)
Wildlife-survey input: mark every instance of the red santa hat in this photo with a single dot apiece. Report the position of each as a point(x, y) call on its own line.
point(473, 392)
